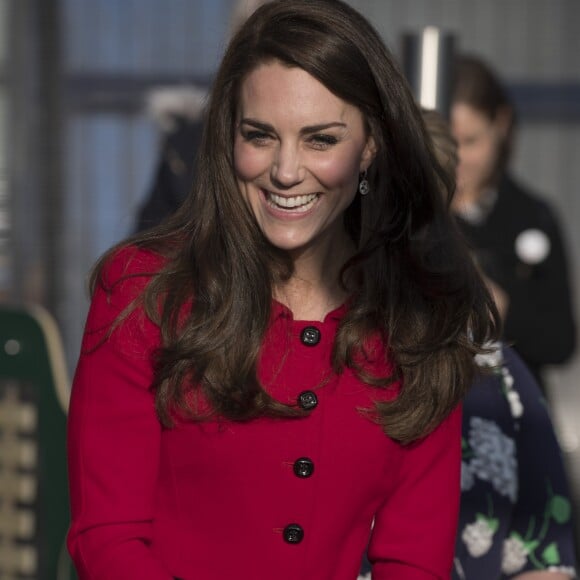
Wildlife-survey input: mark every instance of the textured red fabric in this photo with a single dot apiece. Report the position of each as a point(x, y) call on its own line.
point(211, 500)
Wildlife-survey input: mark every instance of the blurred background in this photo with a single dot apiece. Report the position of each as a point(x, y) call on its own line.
point(79, 146)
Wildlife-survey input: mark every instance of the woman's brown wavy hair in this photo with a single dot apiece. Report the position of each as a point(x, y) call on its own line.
point(417, 285)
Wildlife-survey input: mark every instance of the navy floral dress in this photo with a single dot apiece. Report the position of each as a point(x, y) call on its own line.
point(515, 507)
point(515, 512)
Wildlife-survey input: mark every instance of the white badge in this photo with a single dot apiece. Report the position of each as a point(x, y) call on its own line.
point(532, 246)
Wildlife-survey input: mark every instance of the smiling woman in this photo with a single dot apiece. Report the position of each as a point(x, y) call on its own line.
point(310, 304)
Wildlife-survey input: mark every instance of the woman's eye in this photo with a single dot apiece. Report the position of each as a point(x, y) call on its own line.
point(257, 137)
point(323, 141)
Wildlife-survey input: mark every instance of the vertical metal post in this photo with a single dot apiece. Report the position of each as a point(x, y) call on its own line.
point(427, 59)
point(48, 24)
point(34, 155)
point(6, 253)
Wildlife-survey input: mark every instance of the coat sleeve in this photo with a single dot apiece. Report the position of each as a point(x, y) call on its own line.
point(114, 434)
point(414, 532)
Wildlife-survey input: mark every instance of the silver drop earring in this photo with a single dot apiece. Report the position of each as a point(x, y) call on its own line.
point(363, 185)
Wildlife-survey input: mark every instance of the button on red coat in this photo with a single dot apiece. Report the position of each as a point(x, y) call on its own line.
point(303, 467)
point(307, 400)
point(310, 336)
point(293, 533)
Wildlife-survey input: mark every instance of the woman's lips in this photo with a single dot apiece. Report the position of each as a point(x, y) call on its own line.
point(290, 204)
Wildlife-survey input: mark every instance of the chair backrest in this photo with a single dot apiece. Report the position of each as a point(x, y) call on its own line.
point(34, 389)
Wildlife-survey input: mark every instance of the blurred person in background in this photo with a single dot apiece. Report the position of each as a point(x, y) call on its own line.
point(514, 233)
point(178, 111)
point(515, 517)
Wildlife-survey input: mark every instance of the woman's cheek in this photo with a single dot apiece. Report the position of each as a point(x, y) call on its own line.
point(249, 162)
point(239, 158)
point(338, 170)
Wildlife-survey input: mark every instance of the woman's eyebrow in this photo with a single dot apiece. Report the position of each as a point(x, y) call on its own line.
point(258, 125)
point(305, 130)
point(321, 127)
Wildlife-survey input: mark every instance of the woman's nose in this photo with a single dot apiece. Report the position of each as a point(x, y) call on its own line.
point(287, 169)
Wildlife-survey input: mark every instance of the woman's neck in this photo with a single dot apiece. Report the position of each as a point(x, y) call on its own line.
point(466, 197)
point(314, 288)
point(467, 200)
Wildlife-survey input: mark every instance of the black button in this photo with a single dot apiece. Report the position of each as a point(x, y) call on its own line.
point(293, 534)
point(310, 336)
point(307, 400)
point(303, 467)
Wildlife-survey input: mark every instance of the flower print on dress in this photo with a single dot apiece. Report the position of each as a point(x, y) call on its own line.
point(467, 477)
point(531, 550)
point(494, 457)
point(515, 555)
point(493, 358)
point(507, 379)
point(478, 536)
point(516, 407)
point(511, 394)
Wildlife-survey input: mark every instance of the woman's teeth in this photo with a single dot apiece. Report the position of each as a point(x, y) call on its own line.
point(296, 203)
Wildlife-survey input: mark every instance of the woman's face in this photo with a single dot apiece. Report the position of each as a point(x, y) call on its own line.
point(298, 153)
point(479, 143)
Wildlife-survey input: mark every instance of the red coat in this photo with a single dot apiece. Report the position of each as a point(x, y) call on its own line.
point(218, 500)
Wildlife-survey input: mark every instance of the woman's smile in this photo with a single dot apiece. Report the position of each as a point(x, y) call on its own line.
point(295, 204)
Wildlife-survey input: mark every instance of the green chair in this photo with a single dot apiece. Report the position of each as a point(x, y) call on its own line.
point(34, 391)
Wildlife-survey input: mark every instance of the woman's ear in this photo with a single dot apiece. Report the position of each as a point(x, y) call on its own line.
point(368, 154)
